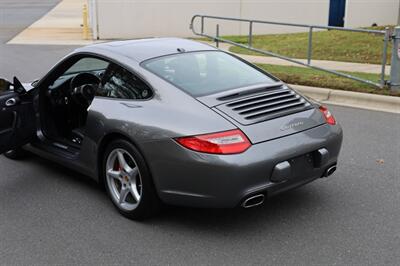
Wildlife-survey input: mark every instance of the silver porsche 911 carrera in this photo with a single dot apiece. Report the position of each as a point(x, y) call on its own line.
point(170, 121)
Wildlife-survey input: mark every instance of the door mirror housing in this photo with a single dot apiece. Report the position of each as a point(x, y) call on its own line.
point(5, 85)
point(18, 87)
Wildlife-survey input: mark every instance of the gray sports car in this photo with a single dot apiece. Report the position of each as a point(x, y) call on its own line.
point(170, 121)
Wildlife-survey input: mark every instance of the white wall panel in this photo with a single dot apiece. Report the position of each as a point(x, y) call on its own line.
point(362, 13)
point(156, 18)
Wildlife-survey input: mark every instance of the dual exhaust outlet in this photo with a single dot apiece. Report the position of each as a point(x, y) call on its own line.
point(330, 171)
point(258, 199)
point(253, 201)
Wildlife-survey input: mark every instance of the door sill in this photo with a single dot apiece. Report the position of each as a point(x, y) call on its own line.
point(58, 148)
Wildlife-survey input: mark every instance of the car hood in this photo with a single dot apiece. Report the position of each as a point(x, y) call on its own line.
point(265, 111)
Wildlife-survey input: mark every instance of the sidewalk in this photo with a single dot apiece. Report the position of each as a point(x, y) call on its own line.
point(60, 26)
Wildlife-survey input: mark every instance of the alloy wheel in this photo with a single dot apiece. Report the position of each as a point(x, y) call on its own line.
point(123, 180)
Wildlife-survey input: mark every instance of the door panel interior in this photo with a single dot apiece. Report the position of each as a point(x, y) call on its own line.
point(7, 122)
point(7, 119)
point(17, 120)
point(7, 125)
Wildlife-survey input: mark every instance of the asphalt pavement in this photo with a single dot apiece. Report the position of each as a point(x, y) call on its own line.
point(51, 215)
point(27, 62)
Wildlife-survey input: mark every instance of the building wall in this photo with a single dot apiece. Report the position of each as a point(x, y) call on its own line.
point(290, 11)
point(398, 19)
point(122, 19)
point(362, 13)
point(148, 18)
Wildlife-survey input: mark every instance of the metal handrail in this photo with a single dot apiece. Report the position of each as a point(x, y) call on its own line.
point(249, 46)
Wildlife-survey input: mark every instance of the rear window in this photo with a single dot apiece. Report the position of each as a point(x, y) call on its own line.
point(207, 72)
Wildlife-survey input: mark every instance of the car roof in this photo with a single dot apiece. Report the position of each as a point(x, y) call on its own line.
point(144, 49)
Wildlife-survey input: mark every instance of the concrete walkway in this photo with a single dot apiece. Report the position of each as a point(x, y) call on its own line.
point(60, 26)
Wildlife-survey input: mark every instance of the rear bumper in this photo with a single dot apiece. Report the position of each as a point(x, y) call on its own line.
point(184, 177)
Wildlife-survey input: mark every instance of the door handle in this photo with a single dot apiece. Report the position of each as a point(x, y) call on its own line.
point(11, 102)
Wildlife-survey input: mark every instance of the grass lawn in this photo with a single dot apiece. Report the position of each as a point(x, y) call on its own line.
point(315, 78)
point(327, 45)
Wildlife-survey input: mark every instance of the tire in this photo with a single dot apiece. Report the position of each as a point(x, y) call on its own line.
point(128, 181)
point(16, 154)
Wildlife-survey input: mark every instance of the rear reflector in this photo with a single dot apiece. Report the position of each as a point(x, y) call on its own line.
point(328, 116)
point(227, 142)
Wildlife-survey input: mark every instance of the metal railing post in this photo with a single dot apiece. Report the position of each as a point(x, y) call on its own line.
point(395, 64)
point(250, 34)
point(384, 56)
point(309, 52)
point(202, 25)
point(85, 25)
point(217, 36)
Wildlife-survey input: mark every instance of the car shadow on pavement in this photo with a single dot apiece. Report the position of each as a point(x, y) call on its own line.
point(276, 211)
point(43, 171)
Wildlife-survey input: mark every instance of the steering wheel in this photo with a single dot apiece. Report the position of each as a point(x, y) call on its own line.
point(83, 88)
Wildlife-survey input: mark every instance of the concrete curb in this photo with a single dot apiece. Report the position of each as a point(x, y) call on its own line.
point(367, 101)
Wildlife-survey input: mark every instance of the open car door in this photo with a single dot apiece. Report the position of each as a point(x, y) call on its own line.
point(17, 116)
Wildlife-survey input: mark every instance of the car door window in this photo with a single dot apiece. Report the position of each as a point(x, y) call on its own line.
point(86, 64)
point(120, 83)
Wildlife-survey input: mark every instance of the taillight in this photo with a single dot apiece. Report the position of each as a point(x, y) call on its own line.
point(227, 142)
point(328, 116)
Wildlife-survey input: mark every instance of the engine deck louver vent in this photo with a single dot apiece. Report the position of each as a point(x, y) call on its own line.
point(265, 106)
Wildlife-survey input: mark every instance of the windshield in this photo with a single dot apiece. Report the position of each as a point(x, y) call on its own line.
point(206, 72)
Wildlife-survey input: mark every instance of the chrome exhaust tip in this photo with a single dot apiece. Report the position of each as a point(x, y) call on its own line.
point(330, 170)
point(253, 201)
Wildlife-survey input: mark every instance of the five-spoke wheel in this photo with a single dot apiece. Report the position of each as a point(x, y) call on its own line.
point(124, 180)
point(128, 181)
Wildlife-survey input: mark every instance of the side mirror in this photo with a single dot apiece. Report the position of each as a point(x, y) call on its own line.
point(4, 85)
point(18, 87)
